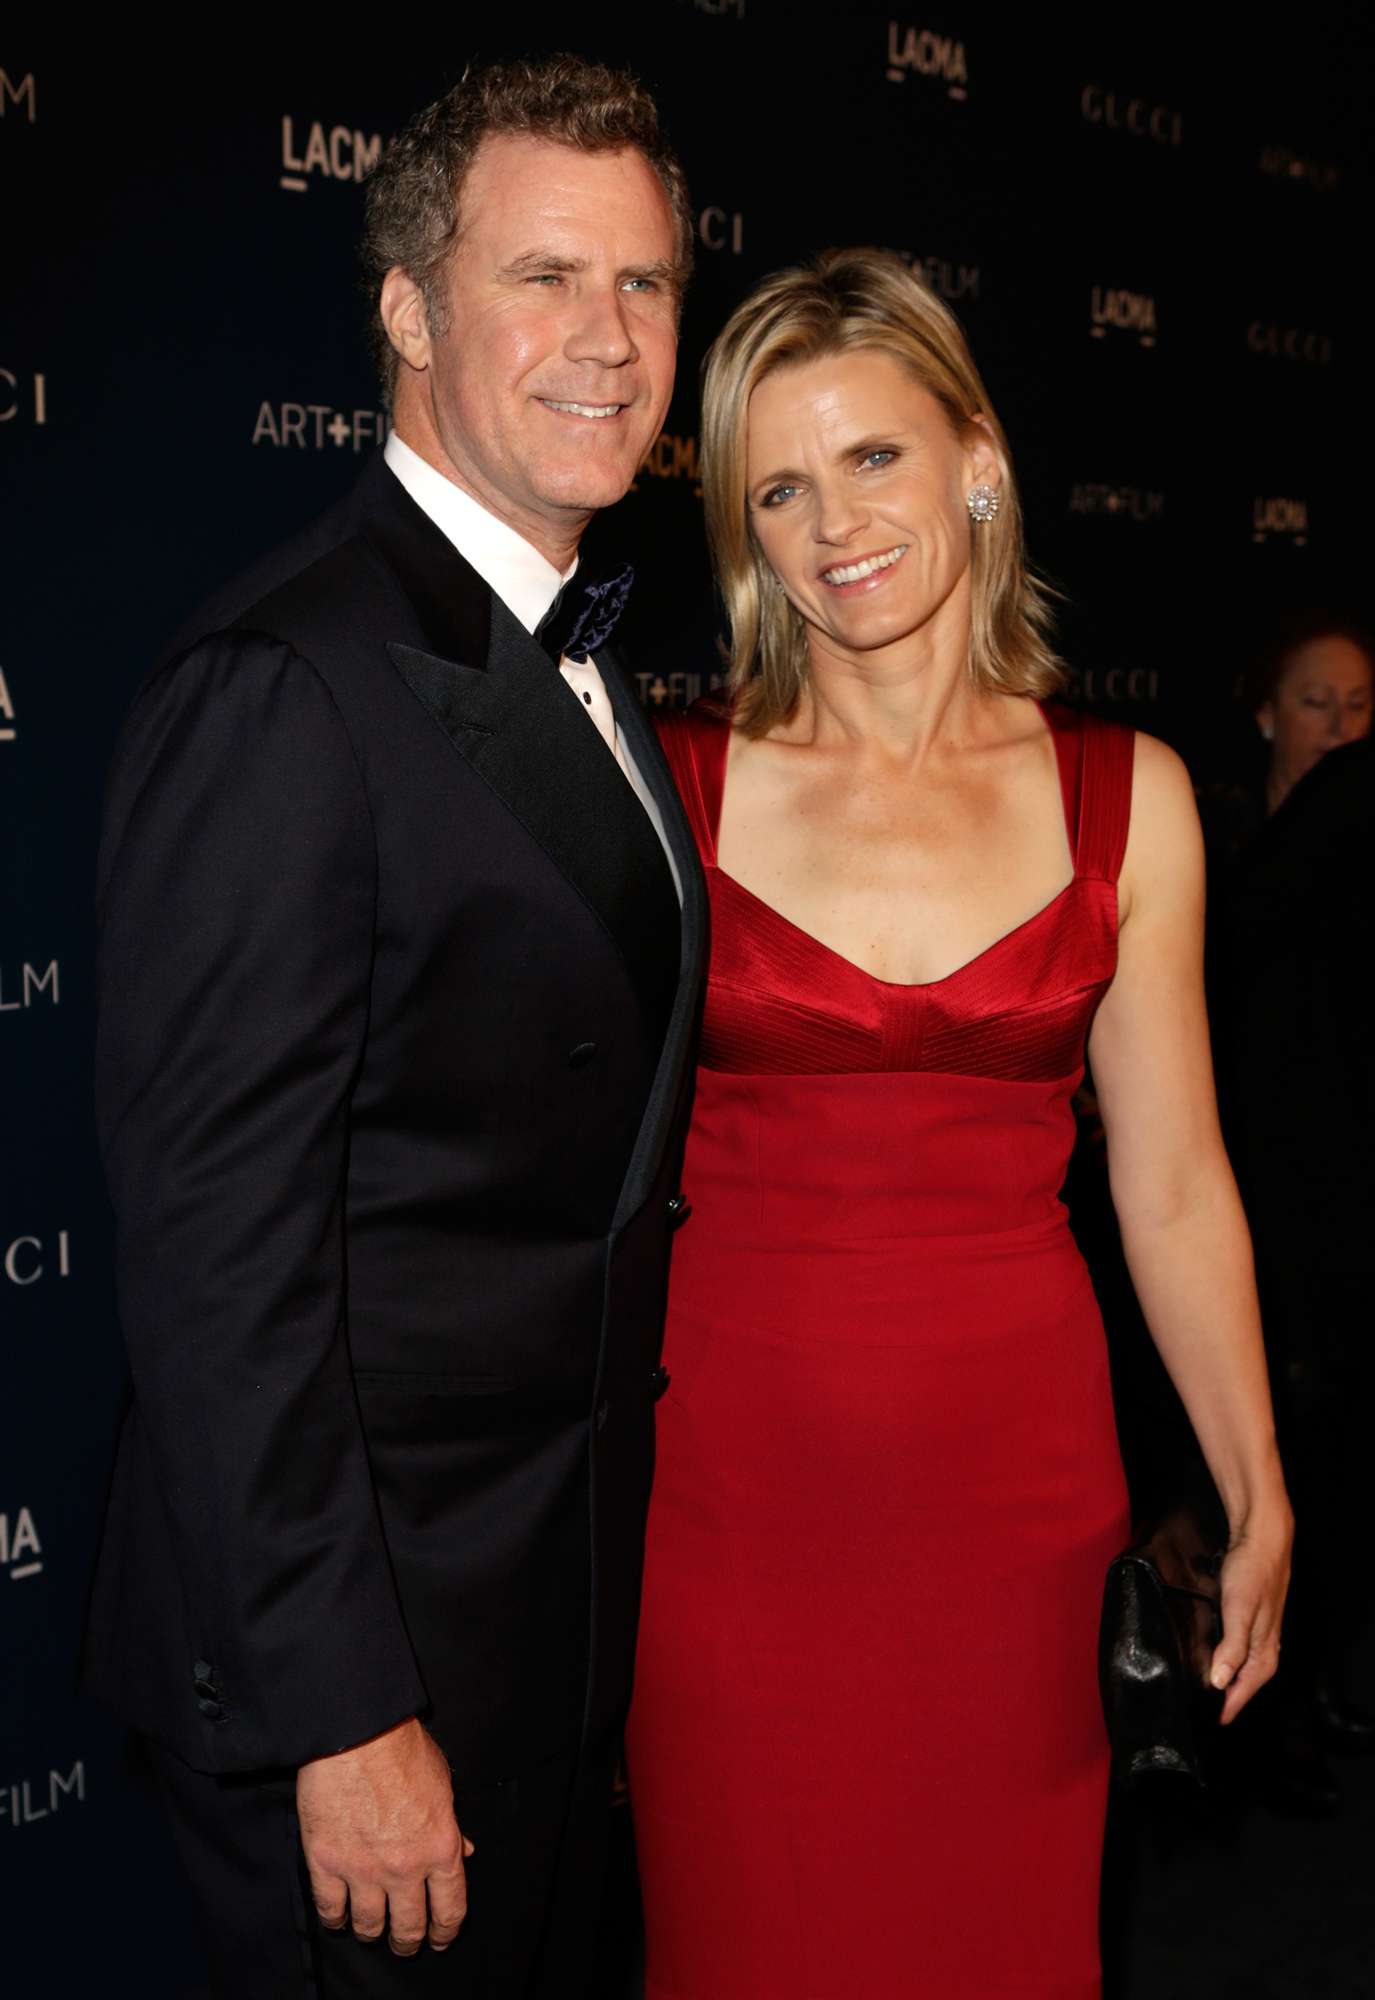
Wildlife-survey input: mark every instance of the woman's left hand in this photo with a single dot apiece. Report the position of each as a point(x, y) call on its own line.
point(1255, 1578)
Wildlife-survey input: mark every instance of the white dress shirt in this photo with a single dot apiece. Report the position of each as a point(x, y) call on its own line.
point(527, 585)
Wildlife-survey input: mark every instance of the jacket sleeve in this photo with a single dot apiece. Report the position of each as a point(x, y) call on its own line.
point(236, 925)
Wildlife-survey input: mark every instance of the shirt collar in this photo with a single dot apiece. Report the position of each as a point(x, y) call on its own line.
point(514, 568)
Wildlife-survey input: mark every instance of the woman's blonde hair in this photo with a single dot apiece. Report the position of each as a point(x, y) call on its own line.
point(843, 301)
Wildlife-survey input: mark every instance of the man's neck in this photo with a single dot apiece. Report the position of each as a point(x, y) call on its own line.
point(556, 542)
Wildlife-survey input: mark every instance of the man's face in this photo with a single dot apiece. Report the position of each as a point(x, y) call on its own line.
point(554, 374)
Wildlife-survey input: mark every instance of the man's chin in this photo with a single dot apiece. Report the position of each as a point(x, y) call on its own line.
point(588, 493)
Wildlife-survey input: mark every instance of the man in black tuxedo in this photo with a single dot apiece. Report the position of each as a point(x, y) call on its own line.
point(401, 949)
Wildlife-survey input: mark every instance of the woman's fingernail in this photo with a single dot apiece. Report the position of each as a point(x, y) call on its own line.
point(1220, 1676)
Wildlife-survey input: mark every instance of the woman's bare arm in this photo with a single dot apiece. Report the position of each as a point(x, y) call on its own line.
point(1183, 1229)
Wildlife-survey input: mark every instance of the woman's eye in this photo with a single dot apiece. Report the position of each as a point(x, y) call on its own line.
point(776, 494)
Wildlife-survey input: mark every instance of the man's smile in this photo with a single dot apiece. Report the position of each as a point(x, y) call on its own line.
point(593, 410)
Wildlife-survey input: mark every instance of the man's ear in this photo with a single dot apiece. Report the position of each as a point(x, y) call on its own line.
point(402, 311)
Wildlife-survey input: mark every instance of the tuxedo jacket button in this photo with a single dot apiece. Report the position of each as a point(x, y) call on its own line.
point(582, 1053)
point(679, 1208)
point(659, 1381)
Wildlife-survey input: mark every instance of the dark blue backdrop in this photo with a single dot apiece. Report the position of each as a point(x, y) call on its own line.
point(1152, 242)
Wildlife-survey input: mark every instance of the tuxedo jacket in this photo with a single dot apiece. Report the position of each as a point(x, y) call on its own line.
point(396, 1018)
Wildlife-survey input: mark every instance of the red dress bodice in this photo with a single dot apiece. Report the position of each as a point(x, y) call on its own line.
point(780, 1000)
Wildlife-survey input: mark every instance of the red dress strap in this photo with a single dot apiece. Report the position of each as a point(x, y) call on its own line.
point(695, 742)
point(1105, 797)
point(1068, 739)
point(1095, 761)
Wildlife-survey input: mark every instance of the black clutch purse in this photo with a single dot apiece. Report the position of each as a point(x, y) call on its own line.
point(1162, 1617)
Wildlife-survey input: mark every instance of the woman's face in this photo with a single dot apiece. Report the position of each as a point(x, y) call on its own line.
point(1322, 700)
point(857, 489)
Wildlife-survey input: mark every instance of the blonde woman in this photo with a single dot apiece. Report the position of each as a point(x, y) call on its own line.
point(866, 1753)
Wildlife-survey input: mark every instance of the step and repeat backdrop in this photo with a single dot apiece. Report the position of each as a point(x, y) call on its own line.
point(1153, 245)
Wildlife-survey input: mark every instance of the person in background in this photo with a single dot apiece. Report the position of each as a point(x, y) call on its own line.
point(1314, 697)
point(1307, 691)
point(1289, 954)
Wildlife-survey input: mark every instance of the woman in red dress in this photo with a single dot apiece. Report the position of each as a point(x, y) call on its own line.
point(866, 1754)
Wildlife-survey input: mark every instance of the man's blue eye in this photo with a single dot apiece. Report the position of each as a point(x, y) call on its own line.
point(878, 457)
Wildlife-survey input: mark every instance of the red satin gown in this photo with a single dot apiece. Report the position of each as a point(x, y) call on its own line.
point(866, 1755)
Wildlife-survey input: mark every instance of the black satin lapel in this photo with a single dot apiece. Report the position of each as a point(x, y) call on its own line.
point(517, 723)
point(673, 1076)
point(642, 742)
point(450, 599)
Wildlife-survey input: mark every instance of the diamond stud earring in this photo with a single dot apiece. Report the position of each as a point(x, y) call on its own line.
point(984, 502)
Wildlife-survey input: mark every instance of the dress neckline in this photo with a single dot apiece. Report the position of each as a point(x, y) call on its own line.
point(809, 938)
point(1069, 787)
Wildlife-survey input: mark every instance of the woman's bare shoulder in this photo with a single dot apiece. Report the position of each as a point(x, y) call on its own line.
point(1161, 784)
point(1164, 842)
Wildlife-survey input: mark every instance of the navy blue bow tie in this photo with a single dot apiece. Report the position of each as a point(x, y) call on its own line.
point(582, 616)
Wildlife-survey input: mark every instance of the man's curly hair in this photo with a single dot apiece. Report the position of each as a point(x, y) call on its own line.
point(413, 214)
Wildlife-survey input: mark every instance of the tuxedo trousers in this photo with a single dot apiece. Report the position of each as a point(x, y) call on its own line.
point(535, 1885)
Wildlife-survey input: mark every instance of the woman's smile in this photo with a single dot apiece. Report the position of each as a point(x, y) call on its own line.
point(863, 573)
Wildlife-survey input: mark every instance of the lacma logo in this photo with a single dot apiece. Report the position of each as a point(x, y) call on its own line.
point(1122, 312)
point(21, 1552)
point(8, 731)
point(672, 457)
point(304, 426)
point(919, 52)
point(18, 100)
point(1278, 516)
point(339, 154)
